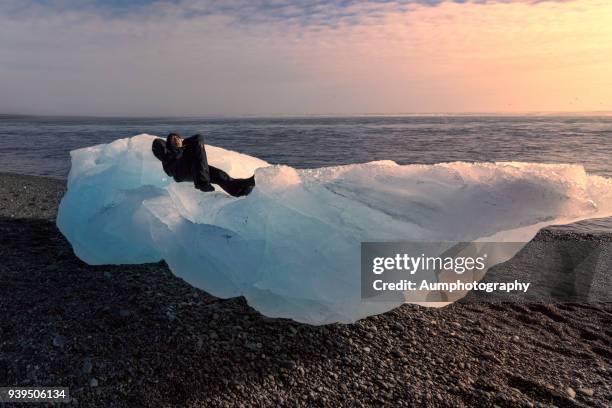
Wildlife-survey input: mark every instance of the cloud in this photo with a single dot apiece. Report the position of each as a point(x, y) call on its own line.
point(304, 12)
point(276, 57)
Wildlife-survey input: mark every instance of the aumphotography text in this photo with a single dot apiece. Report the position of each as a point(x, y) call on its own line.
point(405, 285)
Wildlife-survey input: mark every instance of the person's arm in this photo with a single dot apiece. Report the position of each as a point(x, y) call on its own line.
point(192, 140)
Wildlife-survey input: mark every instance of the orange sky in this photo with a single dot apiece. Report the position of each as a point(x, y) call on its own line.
point(520, 56)
point(494, 57)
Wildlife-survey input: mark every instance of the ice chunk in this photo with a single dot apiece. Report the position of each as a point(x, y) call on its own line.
point(292, 247)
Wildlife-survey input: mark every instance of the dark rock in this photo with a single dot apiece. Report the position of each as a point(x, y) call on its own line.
point(87, 366)
point(59, 341)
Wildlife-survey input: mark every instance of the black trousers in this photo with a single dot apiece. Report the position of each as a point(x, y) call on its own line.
point(233, 186)
point(204, 174)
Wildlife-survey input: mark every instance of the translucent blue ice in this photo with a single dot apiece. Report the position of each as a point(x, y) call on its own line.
point(292, 247)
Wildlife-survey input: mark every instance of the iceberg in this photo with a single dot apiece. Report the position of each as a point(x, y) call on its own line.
point(292, 247)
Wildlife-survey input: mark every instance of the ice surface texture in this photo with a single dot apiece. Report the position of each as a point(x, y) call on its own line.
point(292, 247)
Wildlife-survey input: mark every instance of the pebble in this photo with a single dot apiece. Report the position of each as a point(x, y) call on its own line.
point(93, 382)
point(570, 392)
point(488, 355)
point(289, 364)
point(87, 366)
point(589, 392)
point(59, 341)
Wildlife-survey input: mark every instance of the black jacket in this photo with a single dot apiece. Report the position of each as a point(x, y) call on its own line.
point(187, 163)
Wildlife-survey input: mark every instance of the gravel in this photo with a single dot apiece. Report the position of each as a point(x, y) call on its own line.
point(123, 336)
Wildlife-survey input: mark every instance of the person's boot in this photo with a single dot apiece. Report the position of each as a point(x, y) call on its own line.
point(205, 187)
point(248, 186)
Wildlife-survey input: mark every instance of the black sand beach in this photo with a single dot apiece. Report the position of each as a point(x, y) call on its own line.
point(138, 336)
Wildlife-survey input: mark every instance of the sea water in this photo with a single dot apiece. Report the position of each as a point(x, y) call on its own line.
point(41, 145)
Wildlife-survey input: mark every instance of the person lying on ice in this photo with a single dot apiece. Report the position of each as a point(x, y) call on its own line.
point(185, 160)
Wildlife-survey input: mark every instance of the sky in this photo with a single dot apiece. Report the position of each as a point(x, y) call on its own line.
point(280, 57)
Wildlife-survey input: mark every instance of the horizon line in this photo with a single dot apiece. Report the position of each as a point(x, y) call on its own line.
point(314, 115)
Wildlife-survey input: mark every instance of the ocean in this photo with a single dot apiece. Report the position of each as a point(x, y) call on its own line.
point(41, 145)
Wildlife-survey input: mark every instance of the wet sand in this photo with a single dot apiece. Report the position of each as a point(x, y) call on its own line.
point(138, 336)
